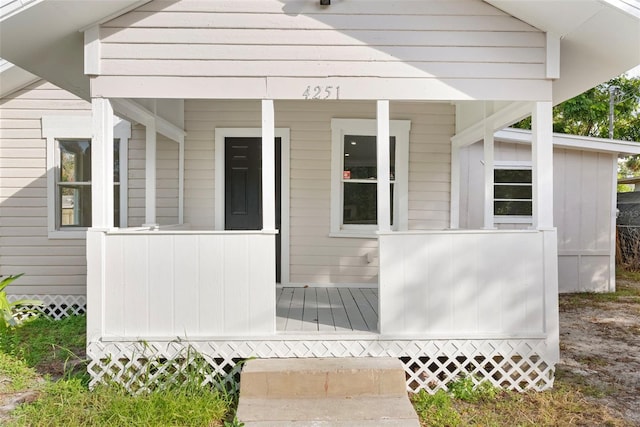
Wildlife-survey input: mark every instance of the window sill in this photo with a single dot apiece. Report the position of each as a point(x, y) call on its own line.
point(369, 234)
point(506, 219)
point(68, 234)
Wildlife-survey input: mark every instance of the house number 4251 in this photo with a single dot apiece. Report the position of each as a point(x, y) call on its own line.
point(321, 92)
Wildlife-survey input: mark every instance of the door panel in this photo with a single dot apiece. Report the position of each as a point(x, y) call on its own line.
point(243, 187)
point(243, 184)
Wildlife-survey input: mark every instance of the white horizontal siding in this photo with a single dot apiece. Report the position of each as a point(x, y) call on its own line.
point(315, 257)
point(51, 266)
point(431, 40)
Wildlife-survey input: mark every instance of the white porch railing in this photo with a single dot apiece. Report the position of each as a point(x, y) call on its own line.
point(175, 283)
point(476, 284)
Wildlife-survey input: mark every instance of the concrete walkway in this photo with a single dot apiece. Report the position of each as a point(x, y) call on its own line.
point(325, 392)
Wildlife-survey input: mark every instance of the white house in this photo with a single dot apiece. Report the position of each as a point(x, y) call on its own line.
point(275, 108)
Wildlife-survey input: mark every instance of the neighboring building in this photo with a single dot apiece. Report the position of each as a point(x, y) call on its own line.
point(585, 181)
point(319, 148)
point(629, 225)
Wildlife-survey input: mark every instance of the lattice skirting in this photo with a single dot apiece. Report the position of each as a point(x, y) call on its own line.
point(57, 306)
point(430, 365)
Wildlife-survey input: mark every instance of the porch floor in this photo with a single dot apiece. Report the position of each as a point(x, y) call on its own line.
point(326, 309)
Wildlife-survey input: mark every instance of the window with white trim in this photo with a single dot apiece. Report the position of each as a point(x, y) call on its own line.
point(73, 183)
point(512, 192)
point(355, 176)
point(69, 174)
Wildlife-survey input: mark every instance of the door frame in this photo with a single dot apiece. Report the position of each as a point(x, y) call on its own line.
point(219, 184)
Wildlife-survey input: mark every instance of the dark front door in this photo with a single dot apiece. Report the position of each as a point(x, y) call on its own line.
point(243, 187)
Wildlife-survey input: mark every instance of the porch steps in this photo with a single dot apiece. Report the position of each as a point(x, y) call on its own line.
point(325, 392)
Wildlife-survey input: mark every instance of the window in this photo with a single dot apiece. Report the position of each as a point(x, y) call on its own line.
point(73, 185)
point(512, 193)
point(69, 174)
point(355, 176)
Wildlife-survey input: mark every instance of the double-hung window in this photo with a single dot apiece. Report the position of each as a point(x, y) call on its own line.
point(355, 176)
point(512, 192)
point(73, 183)
point(69, 180)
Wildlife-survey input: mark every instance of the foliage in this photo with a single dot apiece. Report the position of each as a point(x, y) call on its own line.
point(15, 375)
point(13, 312)
point(436, 409)
point(471, 390)
point(50, 346)
point(69, 403)
point(562, 406)
point(588, 115)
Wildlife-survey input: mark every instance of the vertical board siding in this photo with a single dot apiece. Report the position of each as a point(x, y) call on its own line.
point(189, 285)
point(166, 179)
point(430, 39)
point(317, 258)
point(583, 194)
point(471, 284)
point(582, 209)
point(51, 266)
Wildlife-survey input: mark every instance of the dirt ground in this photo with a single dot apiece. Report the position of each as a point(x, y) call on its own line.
point(600, 348)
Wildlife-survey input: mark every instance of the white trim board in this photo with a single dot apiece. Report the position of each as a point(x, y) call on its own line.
point(218, 196)
point(523, 136)
point(400, 129)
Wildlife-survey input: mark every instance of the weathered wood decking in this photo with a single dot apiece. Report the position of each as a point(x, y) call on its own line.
point(327, 309)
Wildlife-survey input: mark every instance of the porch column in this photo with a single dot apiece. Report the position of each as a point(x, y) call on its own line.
point(383, 162)
point(454, 221)
point(488, 174)
point(102, 164)
point(150, 175)
point(542, 165)
point(268, 166)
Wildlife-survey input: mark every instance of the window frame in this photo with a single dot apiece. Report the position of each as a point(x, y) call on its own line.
point(399, 129)
point(512, 219)
point(68, 128)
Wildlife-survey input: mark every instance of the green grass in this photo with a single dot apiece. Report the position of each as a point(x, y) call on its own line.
point(47, 345)
point(562, 406)
point(15, 375)
point(48, 348)
point(68, 403)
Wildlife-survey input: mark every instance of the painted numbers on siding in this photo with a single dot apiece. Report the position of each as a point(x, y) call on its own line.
point(321, 92)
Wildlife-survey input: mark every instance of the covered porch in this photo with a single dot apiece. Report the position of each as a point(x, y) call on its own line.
point(488, 296)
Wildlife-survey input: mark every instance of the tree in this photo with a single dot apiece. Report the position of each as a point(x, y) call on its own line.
point(588, 115)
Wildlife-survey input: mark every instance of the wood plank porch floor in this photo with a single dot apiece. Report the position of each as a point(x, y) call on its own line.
point(326, 309)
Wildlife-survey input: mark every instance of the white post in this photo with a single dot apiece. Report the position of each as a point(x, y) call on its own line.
point(102, 164)
point(181, 183)
point(383, 162)
point(455, 187)
point(150, 175)
point(101, 212)
point(268, 166)
point(488, 174)
point(542, 165)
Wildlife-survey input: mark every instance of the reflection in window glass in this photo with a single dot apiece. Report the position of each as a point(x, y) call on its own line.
point(360, 176)
point(512, 192)
point(74, 183)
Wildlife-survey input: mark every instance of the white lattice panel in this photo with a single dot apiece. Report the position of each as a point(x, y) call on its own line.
point(430, 365)
point(57, 306)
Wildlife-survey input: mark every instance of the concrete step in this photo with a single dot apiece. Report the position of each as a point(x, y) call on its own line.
point(359, 411)
point(325, 392)
point(323, 378)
